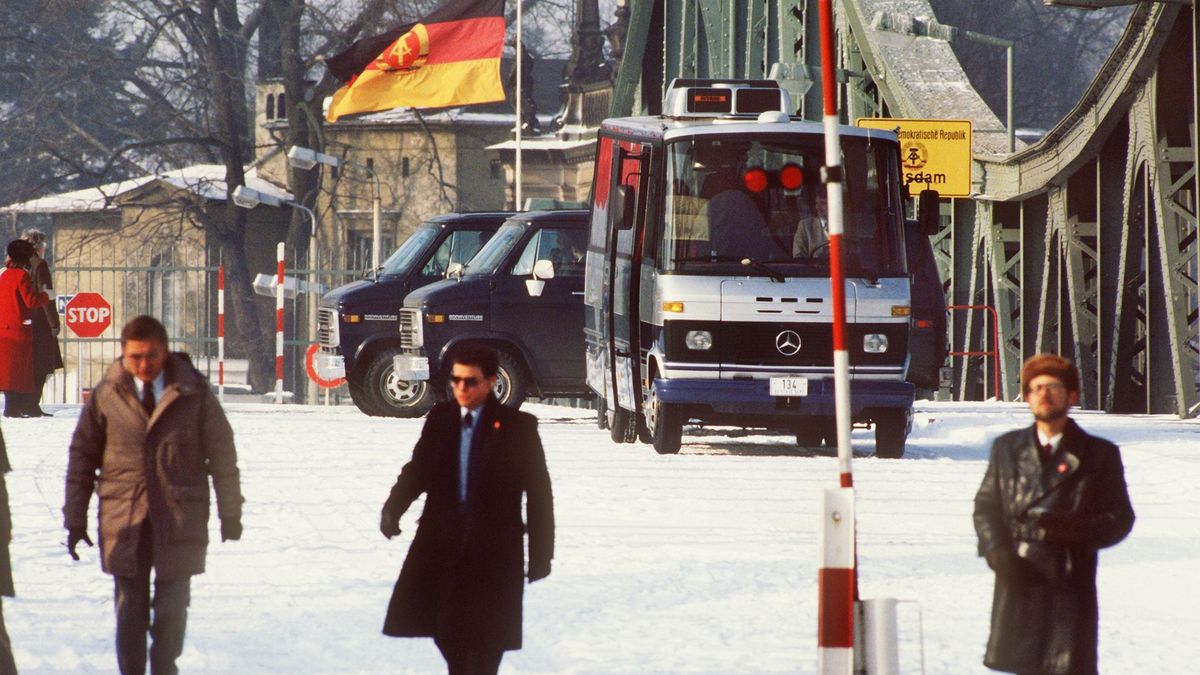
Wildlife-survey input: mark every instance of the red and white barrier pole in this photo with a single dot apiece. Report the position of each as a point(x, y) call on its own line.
point(221, 333)
point(835, 606)
point(839, 586)
point(279, 324)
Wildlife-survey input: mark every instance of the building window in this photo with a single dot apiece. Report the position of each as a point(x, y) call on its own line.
point(270, 106)
point(497, 170)
point(281, 109)
point(404, 167)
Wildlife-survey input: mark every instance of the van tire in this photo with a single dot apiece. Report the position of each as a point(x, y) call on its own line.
point(510, 381)
point(358, 394)
point(390, 396)
point(891, 432)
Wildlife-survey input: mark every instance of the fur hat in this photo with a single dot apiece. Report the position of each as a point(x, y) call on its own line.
point(1052, 365)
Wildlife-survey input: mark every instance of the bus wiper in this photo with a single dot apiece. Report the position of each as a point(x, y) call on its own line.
point(765, 269)
point(709, 257)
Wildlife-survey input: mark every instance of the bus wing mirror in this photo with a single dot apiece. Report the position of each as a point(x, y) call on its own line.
point(928, 217)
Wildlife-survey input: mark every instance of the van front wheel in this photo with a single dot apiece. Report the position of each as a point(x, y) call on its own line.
point(666, 424)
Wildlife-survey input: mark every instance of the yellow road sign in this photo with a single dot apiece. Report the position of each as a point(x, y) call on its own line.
point(934, 154)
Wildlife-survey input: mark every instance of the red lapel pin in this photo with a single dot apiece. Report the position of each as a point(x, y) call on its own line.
point(496, 425)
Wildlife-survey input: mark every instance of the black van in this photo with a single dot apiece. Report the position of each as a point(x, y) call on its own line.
point(356, 323)
point(521, 295)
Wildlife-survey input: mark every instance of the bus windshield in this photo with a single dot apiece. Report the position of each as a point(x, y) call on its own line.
point(727, 199)
point(409, 253)
point(495, 250)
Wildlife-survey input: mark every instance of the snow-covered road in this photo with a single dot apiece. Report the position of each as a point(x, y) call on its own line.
point(703, 562)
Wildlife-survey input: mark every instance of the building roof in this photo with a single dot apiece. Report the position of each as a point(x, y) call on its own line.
point(204, 180)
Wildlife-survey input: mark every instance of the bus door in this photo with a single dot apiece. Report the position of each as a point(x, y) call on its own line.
point(626, 225)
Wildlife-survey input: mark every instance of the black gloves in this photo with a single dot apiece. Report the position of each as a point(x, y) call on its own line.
point(231, 529)
point(538, 570)
point(74, 536)
point(1012, 568)
point(389, 525)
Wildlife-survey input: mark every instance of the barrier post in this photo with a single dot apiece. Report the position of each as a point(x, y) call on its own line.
point(221, 334)
point(279, 251)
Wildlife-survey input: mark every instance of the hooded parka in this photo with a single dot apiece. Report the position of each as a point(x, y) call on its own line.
point(152, 468)
point(1048, 623)
point(464, 574)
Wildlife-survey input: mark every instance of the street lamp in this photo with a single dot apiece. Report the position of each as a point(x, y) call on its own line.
point(306, 158)
point(248, 198)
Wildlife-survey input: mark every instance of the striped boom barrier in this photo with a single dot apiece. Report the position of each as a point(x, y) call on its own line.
point(221, 333)
point(835, 610)
point(838, 583)
point(279, 324)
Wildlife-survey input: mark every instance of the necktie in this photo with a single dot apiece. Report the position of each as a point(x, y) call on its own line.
point(148, 397)
point(1045, 451)
point(464, 457)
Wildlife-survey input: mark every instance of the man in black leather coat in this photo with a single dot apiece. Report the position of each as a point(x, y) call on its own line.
point(1051, 498)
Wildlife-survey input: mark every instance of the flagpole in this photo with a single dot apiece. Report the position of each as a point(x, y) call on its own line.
point(517, 181)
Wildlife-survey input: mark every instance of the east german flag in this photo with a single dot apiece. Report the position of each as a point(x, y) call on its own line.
point(449, 58)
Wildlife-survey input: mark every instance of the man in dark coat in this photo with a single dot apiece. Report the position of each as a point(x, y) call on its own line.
point(462, 582)
point(1052, 497)
point(147, 442)
point(47, 357)
point(7, 665)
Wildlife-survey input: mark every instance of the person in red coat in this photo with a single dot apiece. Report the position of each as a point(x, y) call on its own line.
point(18, 299)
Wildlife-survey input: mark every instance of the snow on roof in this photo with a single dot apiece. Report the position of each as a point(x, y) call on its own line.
point(205, 180)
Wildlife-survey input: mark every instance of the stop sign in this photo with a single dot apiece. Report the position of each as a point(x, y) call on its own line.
point(88, 314)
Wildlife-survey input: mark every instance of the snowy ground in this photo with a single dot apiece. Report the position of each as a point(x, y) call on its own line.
point(699, 563)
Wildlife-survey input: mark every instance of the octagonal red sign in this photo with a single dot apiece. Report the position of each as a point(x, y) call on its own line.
point(88, 314)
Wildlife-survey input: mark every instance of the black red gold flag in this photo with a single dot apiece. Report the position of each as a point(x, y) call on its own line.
point(451, 57)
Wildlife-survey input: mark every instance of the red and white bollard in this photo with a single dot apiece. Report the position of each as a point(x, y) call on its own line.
point(279, 324)
point(835, 609)
point(221, 333)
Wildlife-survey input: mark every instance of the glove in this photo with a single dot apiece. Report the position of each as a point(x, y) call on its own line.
point(1011, 568)
point(389, 525)
point(538, 570)
point(231, 529)
point(1061, 527)
point(74, 536)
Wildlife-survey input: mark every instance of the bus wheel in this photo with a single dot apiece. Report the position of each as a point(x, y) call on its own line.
point(666, 424)
point(811, 431)
point(389, 396)
point(891, 430)
point(623, 428)
point(601, 413)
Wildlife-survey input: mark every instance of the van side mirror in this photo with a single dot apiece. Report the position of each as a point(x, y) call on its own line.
point(454, 270)
point(928, 216)
point(542, 270)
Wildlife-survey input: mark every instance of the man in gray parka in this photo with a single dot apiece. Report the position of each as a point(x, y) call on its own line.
point(147, 441)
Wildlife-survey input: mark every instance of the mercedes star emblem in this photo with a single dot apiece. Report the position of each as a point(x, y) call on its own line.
point(788, 342)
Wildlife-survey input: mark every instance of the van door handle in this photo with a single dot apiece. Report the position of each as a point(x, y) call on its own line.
point(576, 292)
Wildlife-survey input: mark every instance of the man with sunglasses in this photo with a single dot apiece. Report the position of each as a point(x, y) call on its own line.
point(463, 579)
point(1052, 496)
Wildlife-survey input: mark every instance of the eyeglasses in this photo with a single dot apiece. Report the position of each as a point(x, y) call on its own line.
point(468, 382)
point(1046, 387)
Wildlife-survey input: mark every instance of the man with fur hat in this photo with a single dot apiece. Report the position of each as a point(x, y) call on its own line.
point(1052, 496)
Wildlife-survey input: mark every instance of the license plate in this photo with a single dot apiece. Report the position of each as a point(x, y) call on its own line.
point(789, 386)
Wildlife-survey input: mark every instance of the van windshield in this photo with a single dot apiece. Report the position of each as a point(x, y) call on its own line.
point(495, 250)
point(728, 198)
point(402, 260)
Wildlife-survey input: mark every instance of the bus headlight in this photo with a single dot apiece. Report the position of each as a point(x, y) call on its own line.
point(700, 340)
point(875, 343)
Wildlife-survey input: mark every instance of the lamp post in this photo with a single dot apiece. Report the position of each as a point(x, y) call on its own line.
point(248, 198)
point(306, 158)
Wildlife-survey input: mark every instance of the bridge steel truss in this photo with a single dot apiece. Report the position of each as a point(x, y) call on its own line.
point(1085, 243)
